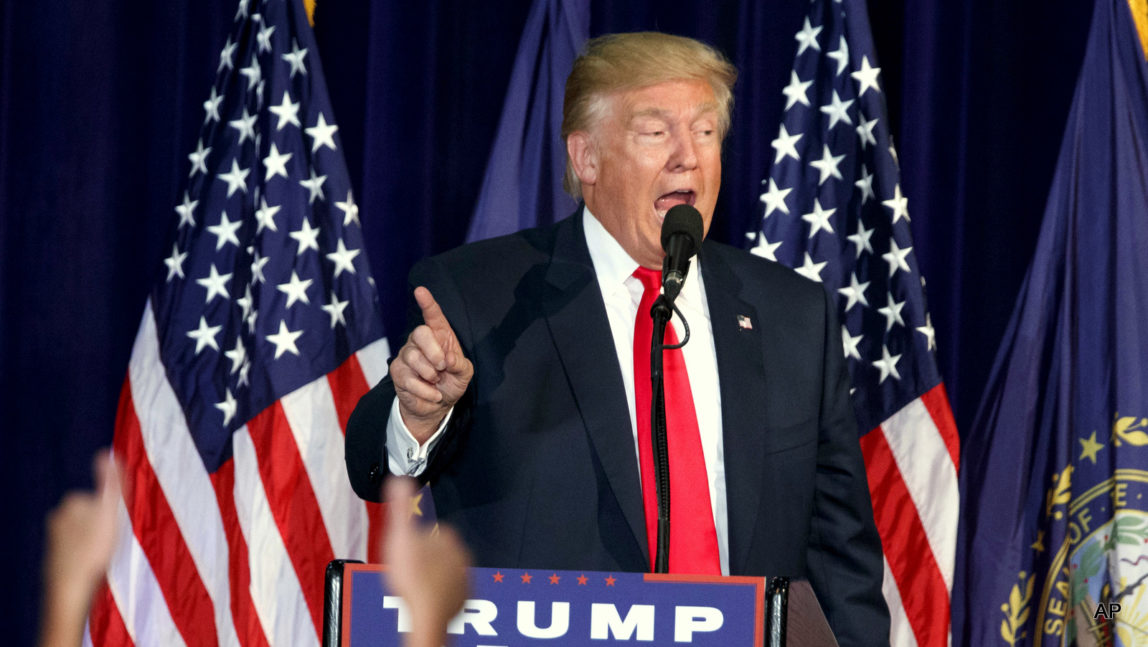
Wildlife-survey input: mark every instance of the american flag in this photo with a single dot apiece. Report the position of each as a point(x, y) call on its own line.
point(261, 333)
point(834, 210)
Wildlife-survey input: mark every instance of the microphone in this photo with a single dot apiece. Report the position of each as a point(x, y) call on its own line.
point(681, 238)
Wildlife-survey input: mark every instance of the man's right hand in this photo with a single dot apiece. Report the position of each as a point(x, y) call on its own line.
point(430, 373)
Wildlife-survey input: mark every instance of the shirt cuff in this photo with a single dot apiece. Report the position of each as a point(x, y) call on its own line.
point(404, 455)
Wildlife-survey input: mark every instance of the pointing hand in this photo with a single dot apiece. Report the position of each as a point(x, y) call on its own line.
point(430, 372)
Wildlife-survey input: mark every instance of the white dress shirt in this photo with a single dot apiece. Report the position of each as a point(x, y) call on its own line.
point(622, 293)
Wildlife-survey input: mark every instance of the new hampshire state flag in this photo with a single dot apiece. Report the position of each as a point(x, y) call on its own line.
point(1053, 545)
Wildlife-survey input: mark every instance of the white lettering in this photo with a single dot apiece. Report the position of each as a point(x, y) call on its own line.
point(479, 614)
point(688, 620)
point(397, 603)
point(604, 621)
point(559, 620)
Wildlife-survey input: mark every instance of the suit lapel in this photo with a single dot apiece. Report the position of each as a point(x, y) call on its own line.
point(740, 366)
point(577, 319)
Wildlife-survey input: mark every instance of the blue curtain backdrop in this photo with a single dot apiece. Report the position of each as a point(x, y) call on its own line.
point(101, 102)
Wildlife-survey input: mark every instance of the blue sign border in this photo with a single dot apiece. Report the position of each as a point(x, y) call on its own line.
point(364, 622)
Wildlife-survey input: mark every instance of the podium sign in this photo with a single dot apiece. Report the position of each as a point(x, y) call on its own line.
point(570, 608)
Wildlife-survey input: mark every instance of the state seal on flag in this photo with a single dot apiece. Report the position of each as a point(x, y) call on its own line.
point(1090, 554)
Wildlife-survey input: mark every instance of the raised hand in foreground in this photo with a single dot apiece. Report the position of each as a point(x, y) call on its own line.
point(426, 568)
point(81, 535)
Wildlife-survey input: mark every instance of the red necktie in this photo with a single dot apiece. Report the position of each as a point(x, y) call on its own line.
point(693, 539)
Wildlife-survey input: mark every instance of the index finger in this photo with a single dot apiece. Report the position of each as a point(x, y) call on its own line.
point(399, 527)
point(107, 479)
point(432, 313)
point(398, 493)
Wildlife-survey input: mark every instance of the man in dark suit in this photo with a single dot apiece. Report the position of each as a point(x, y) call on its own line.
point(515, 394)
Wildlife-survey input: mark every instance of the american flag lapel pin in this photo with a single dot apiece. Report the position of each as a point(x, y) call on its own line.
point(744, 323)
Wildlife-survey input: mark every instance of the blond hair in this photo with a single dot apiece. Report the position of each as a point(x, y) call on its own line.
point(617, 62)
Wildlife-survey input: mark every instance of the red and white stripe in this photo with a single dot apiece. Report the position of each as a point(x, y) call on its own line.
point(236, 557)
point(911, 461)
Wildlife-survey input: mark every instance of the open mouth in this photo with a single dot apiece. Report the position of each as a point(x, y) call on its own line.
point(672, 199)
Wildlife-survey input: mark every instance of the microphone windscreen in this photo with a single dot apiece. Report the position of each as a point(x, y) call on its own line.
point(683, 219)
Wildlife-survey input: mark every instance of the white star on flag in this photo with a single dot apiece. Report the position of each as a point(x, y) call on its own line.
point(284, 340)
point(818, 219)
point(257, 264)
point(265, 216)
point(928, 332)
point(295, 59)
point(785, 145)
point(350, 210)
point(225, 60)
point(774, 198)
point(216, 284)
point(795, 91)
point(236, 178)
point(892, 312)
point(198, 158)
point(765, 249)
point(211, 107)
point(850, 343)
point(841, 55)
point(899, 204)
point(838, 111)
point(807, 38)
point(865, 183)
point(854, 293)
point(228, 407)
point(287, 111)
point(343, 258)
point(811, 270)
point(245, 302)
point(895, 257)
point(887, 365)
point(245, 125)
point(827, 165)
point(174, 262)
point(225, 231)
point(296, 290)
point(186, 211)
point(204, 336)
point(861, 239)
point(275, 163)
point(307, 237)
point(866, 77)
point(253, 73)
point(237, 355)
point(314, 186)
point(335, 308)
point(865, 132)
point(264, 38)
point(322, 134)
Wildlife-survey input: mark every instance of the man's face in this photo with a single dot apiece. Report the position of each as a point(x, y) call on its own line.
point(656, 147)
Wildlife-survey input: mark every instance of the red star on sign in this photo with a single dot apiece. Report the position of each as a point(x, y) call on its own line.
point(526, 578)
point(554, 578)
point(582, 580)
point(610, 581)
point(497, 576)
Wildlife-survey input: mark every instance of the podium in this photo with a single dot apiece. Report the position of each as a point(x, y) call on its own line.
point(523, 607)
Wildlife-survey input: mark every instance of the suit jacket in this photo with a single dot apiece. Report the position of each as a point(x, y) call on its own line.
point(537, 466)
